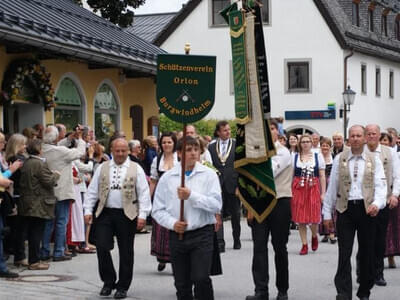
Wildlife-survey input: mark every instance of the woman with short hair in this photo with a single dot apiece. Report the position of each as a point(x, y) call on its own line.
point(37, 201)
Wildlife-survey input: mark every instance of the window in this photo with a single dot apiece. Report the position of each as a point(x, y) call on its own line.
point(371, 20)
point(265, 11)
point(391, 84)
point(356, 14)
point(378, 82)
point(384, 30)
point(363, 79)
point(218, 5)
point(106, 114)
point(69, 109)
point(298, 76)
point(397, 29)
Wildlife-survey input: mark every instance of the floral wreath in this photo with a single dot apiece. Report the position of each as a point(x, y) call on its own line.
point(23, 72)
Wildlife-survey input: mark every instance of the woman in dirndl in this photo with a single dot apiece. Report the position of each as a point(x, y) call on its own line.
point(163, 162)
point(308, 189)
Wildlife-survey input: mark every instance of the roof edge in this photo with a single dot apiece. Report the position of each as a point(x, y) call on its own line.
point(175, 22)
point(331, 24)
point(80, 53)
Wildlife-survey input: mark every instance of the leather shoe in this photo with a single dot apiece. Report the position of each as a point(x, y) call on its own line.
point(120, 294)
point(364, 298)
point(221, 249)
point(380, 281)
point(161, 267)
point(257, 297)
point(106, 291)
point(237, 245)
point(282, 296)
point(341, 297)
point(8, 274)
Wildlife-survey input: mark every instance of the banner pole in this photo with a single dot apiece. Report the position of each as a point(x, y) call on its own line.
point(183, 160)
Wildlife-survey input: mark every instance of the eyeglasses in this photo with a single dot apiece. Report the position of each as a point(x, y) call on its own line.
point(305, 142)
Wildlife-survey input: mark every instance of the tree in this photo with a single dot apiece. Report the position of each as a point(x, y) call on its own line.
point(116, 11)
point(203, 127)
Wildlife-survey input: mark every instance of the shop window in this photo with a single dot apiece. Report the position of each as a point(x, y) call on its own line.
point(68, 110)
point(106, 118)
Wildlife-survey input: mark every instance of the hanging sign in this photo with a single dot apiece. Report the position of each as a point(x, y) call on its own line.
point(185, 86)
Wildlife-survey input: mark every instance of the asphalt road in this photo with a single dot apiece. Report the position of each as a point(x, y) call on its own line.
point(311, 276)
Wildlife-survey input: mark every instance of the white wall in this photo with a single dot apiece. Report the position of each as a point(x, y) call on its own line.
point(368, 108)
point(297, 30)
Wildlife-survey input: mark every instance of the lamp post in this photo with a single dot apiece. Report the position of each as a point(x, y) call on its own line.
point(348, 99)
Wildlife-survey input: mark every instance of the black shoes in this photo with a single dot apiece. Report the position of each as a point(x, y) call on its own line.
point(282, 296)
point(237, 245)
point(364, 298)
point(106, 291)
point(120, 294)
point(341, 297)
point(8, 274)
point(161, 267)
point(380, 281)
point(62, 258)
point(221, 249)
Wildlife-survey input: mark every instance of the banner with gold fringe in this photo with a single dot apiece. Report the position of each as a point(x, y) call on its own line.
point(254, 145)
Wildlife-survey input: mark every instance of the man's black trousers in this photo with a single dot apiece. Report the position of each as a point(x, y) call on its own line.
point(191, 260)
point(113, 222)
point(278, 224)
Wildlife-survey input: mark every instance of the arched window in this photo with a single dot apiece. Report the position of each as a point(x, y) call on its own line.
point(106, 114)
point(68, 110)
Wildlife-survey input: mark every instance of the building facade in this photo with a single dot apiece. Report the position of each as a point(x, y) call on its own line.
point(307, 43)
point(60, 63)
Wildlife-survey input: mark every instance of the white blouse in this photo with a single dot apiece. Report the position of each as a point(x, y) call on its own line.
point(311, 163)
point(153, 169)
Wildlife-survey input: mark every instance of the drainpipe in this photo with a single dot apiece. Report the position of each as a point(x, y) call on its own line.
point(344, 89)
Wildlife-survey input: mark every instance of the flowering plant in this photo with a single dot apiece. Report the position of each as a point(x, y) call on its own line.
point(28, 80)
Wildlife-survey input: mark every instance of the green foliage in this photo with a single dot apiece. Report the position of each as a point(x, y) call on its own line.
point(203, 127)
point(116, 11)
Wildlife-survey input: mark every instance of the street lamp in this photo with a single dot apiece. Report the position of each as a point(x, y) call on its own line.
point(348, 99)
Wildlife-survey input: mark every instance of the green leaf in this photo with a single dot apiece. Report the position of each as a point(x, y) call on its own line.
point(242, 183)
point(252, 191)
point(239, 149)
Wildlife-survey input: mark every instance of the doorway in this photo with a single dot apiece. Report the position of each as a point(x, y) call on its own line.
point(20, 115)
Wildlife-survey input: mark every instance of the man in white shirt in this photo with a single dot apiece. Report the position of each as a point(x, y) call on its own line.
point(191, 257)
point(120, 190)
point(277, 223)
point(391, 166)
point(357, 189)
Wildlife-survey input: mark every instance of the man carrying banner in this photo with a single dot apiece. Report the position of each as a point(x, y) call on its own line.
point(277, 223)
point(191, 257)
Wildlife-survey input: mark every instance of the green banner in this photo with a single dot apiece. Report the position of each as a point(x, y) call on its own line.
point(237, 26)
point(185, 86)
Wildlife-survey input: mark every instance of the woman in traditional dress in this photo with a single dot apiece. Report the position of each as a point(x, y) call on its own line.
point(308, 189)
point(326, 146)
point(393, 229)
point(163, 162)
